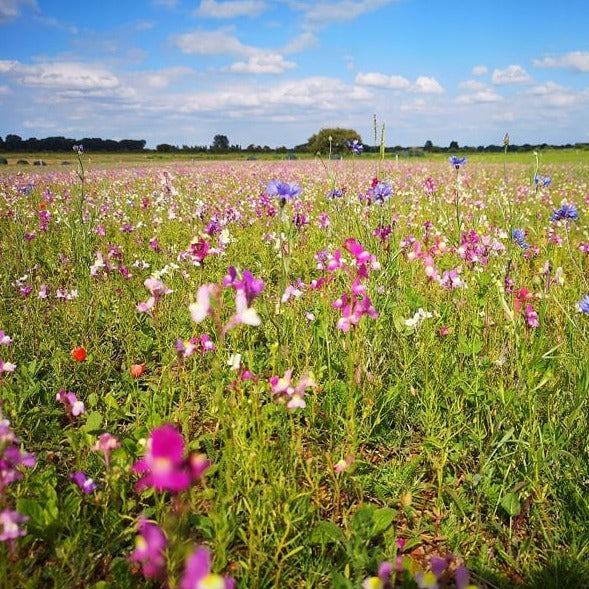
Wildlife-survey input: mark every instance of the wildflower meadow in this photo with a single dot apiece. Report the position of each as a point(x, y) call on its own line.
point(355, 373)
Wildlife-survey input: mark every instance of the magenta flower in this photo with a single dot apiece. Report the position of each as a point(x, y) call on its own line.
point(164, 466)
point(532, 318)
point(149, 549)
point(5, 340)
point(11, 456)
point(85, 484)
point(198, 575)
point(10, 520)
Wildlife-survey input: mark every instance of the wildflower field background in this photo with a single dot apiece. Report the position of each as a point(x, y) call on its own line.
point(295, 374)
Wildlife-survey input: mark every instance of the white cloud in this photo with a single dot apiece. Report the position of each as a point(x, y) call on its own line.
point(320, 13)
point(483, 96)
point(473, 85)
point(427, 85)
point(301, 42)
point(40, 124)
point(230, 8)
point(512, 74)
point(382, 81)
point(417, 105)
point(68, 76)
point(575, 60)
point(553, 94)
point(165, 77)
point(479, 70)
point(270, 63)
point(11, 9)
point(218, 42)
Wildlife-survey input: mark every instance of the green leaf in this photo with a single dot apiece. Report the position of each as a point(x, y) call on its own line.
point(326, 533)
point(382, 519)
point(511, 504)
point(93, 422)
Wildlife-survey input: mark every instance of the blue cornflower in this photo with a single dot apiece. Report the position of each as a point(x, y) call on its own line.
point(584, 305)
point(565, 212)
point(381, 192)
point(284, 191)
point(543, 181)
point(355, 146)
point(335, 193)
point(519, 236)
point(457, 161)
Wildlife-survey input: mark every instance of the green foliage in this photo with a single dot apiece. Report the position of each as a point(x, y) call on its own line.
point(331, 141)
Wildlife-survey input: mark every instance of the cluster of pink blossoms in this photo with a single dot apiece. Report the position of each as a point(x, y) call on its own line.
point(286, 391)
point(356, 303)
point(11, 458)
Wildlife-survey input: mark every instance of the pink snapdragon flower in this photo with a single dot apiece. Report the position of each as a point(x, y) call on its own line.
point(106, 443)
point(198, 575)
point(72, 405)
point(285, 391)
point(150, 544)
point(164, 466)
point(10, 521)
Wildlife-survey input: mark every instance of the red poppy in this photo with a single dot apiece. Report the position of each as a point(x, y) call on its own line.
point(79, 354)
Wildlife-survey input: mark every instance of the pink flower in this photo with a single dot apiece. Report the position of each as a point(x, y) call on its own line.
point(343, 464)
point(106, 443)
point(6, 366)
point(149, 549)
point(4, 339)
point(73, 407)
point(164, 466)
point(532, 318)
point(198, 575)
point(202, 307)
point(10, 520)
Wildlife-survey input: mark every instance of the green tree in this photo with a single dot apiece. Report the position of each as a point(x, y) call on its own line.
point(320, 142)
point(220, 143)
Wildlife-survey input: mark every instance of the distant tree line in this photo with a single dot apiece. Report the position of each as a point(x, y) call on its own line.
point(14, 143)
point(333, 140)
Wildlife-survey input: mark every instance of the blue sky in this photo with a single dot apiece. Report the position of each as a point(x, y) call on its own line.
point(274, 73)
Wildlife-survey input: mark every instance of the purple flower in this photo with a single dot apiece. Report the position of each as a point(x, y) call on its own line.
point(457, 161)
point(198, 575)
point(86, 484)
point(565, 212)
point(381, 192)
point(11, 456)
point(335, 193)
point(355, 146)
point(283, 191)
point(543, 181)
point(519, 236)
point(149, 549)
point(10, 520)
point(583, 305)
